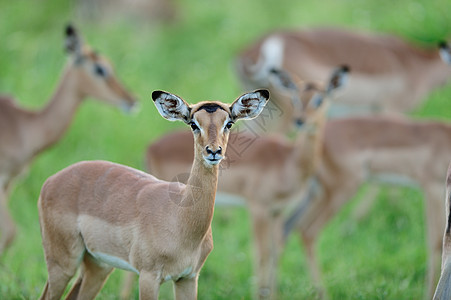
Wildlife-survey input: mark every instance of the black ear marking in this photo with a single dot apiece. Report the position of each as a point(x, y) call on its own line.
point(157, 94)
point(70, 30)
point(443, 45)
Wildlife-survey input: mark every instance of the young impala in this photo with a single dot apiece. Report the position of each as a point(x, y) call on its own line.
point(443, 291)
point(102, 215)
point(25, 134)
point(269, 173)
point(388, 74)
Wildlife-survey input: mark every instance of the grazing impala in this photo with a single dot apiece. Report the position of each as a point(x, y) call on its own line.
point(443, 291)
point(24, 134)
point(102, 215)
point(388, 74)
point(269, 173)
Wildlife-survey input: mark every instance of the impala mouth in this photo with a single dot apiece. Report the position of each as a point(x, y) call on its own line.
point(213, 160)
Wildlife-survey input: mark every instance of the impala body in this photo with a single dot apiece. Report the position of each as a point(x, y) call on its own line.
point(102, 215)
point(25, 134)
point(356, 150)
point(388, 73)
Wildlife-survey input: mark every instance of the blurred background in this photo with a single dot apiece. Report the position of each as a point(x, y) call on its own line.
point(187, 47)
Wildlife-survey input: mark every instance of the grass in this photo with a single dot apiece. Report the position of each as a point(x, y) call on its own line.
point(380, 257)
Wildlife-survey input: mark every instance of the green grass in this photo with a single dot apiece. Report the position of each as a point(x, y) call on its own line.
point(380, 257)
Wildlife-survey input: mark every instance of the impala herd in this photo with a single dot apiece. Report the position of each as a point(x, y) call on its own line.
point(341, 92)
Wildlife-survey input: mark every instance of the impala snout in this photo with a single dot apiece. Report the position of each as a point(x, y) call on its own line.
point(299, 123)
point(130, 106)
point(213, 155)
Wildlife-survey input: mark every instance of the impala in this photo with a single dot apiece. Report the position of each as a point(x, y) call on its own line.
point(359, 149)
point(24, 134)
point(443, 290)
point(269, 173)
point(388, 74)
point(102, 215)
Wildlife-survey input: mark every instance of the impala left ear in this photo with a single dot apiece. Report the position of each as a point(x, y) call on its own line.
point(171, 107)
point(73, 42)
point(445, 52)
point(338, 78)
point(249, 105)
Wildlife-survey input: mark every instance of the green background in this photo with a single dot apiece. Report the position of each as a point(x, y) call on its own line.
point(382, 256)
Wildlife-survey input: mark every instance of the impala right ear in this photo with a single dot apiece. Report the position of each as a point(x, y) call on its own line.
point(445, 52)
point(249, 105)
point(73, 42)
point(171, 107)
point(338, 78)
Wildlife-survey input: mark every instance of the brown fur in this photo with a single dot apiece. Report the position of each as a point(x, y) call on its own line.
point(356, 149)
point(388, 74)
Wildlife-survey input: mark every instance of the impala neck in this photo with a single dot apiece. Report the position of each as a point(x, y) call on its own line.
point(307, 150)
point(48, 125)
point(199, 199)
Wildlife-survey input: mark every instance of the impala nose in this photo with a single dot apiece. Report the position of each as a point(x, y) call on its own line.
point(214, 152)
point(299, 123)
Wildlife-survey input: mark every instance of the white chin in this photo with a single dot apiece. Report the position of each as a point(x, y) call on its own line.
point(212, 162)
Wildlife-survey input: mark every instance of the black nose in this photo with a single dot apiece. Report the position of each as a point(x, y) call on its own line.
point(299, 122)
point(209, 151)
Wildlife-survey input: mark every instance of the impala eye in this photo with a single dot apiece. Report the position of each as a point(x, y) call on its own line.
point(229, 125)
point(99, 70)
point(193, 126)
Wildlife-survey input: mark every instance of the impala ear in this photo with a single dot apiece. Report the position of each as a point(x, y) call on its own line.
point(171, 107)
point(249, 105)
point(73, 41)
point(445, 52)
point(338, 78)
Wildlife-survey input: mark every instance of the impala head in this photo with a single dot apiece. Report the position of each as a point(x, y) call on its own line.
point(309, 98)
point(445, 52)
point(210, 121)
point(96, 75)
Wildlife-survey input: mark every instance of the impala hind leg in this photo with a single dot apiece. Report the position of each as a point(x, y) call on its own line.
point(63, 250)
point(7, 226)
point(186, 288)
point(91, 280)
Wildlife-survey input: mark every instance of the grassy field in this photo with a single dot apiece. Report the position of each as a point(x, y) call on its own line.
point(380, 257)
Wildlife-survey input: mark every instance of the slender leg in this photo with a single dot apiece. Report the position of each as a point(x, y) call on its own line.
point(310, 249)
point(268, 234)
point(127, 285)
point(325, 205)
point(63, 249)
point(7, 226)
point(149, 286)
point(186, 289)
point(57, 282)
point(93, 277)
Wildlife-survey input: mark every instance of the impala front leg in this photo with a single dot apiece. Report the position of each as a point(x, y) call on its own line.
point(149, 286)
point(267, 234)
point(186, 288)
